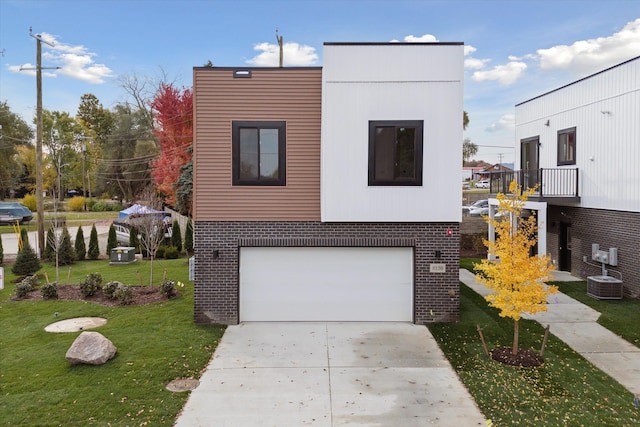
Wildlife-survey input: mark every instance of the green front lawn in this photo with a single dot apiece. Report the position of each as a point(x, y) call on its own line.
point(566, 390)
point(156, 343)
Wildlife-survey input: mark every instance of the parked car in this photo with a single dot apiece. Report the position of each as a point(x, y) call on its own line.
point(466, 186)
point(484, 203)
point(10, 212)
point(479, 211)
point(482, 184)
point(123, 232)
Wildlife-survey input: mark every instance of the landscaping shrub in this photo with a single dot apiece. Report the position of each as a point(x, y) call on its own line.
point(176, 236)
point(81, 249)
point(91, 284)
point(27, 285)
point(66, 252)
point(94, 247)
point(30, 201)
point(188, 238)
point(109, 288)
point(112, 240)
point(160, 251)
point(49, 290)
point(76, 204)
point(24, 238)
point(134, 242)
point(171, 253)
point(49, 246)
point(27, 262)
point(123, 294)
point(99, 207)
point(168, 288)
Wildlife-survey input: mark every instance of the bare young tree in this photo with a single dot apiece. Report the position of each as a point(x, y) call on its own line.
point(151, 227)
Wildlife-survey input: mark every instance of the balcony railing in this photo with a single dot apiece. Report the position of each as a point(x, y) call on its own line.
point(552, 184)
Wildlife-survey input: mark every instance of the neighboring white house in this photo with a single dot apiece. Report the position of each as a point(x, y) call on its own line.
point(581, 143)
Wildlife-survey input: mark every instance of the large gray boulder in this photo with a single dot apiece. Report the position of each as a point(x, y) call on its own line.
point(90, 348)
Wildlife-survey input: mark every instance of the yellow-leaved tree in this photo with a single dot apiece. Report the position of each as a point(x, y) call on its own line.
point(517, 277)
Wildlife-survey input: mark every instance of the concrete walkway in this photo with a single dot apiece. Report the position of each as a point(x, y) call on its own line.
point(576, 324)
point(329, 374)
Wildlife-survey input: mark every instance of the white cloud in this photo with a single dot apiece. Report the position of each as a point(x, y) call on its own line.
point(588, 56)
point(506, 122)
point(474, 63)
point(468, 49)
point(505, 74)
point(294, 54)
point(426, 38)
point(76, 62)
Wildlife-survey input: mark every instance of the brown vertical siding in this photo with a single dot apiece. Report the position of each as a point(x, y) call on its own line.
point(281, 94)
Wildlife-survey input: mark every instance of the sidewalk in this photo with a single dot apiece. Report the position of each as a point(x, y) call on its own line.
point(576, 324)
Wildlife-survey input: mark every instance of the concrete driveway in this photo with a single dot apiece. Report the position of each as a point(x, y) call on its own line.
point(329, 374)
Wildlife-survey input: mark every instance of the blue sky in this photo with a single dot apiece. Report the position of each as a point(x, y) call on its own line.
point(515, 49)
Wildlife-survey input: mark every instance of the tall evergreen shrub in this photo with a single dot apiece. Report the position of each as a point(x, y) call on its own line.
point(81, 249)
point(188, 237)
point(94, 247)
point(176, 236)
point(112, 240)
point(66, 252)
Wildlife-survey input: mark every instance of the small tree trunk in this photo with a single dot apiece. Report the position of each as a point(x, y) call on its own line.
point(516, 335)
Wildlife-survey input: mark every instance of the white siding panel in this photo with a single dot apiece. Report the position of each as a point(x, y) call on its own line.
point(605, 109)
point(348, 106)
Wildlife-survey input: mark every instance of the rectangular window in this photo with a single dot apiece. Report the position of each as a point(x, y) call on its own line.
point(259, 153)
point(567, 147)
point(395, 152)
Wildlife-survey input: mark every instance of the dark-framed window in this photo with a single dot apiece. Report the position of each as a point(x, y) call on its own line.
point(567, 146)
point(259, 153)
point(395, 152)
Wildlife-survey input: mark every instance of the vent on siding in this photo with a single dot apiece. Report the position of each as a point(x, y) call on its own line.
point(242, 74)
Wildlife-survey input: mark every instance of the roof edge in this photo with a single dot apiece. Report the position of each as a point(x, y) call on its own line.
point(392, 43)
point(578, 81)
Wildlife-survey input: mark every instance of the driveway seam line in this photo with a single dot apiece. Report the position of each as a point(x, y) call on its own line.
point(326, 330)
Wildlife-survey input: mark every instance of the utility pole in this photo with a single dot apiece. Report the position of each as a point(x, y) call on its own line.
point(39, 179)
point(280, 41)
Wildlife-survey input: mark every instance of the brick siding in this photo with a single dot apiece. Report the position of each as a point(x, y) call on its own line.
point(609, 229)
point(217, 251)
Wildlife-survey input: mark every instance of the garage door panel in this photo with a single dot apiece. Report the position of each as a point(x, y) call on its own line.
point(326, 284)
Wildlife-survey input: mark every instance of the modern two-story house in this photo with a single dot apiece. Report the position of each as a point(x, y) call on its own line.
point(330, 193)
point(581, 144)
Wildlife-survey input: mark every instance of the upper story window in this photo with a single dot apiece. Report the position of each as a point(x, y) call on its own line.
point(259, 153)
point(395, 152)
point(567, 147)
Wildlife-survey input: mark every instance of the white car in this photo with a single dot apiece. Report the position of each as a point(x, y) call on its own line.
point(484, 203)
point(482, 184)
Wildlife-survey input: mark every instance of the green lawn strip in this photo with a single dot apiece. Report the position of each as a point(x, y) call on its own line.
point(615, 314)
point(566, 390)
point(156, 343)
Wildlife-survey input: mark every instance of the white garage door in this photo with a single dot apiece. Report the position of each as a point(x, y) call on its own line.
point(326, 284)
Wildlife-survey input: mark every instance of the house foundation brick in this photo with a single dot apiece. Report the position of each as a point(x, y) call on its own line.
point(217, 251)
point(609, 229)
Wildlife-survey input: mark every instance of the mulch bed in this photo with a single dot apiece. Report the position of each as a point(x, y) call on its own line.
point(525, 358)
point(141, 295)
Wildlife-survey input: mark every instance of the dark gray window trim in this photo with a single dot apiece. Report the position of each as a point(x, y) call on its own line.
point(282, 154)
point(575, 148)
point(419, 125)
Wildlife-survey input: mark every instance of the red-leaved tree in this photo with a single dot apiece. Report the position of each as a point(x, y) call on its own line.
point(174, 119)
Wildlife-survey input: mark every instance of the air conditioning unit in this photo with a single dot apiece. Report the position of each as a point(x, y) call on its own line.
point(604, 287)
